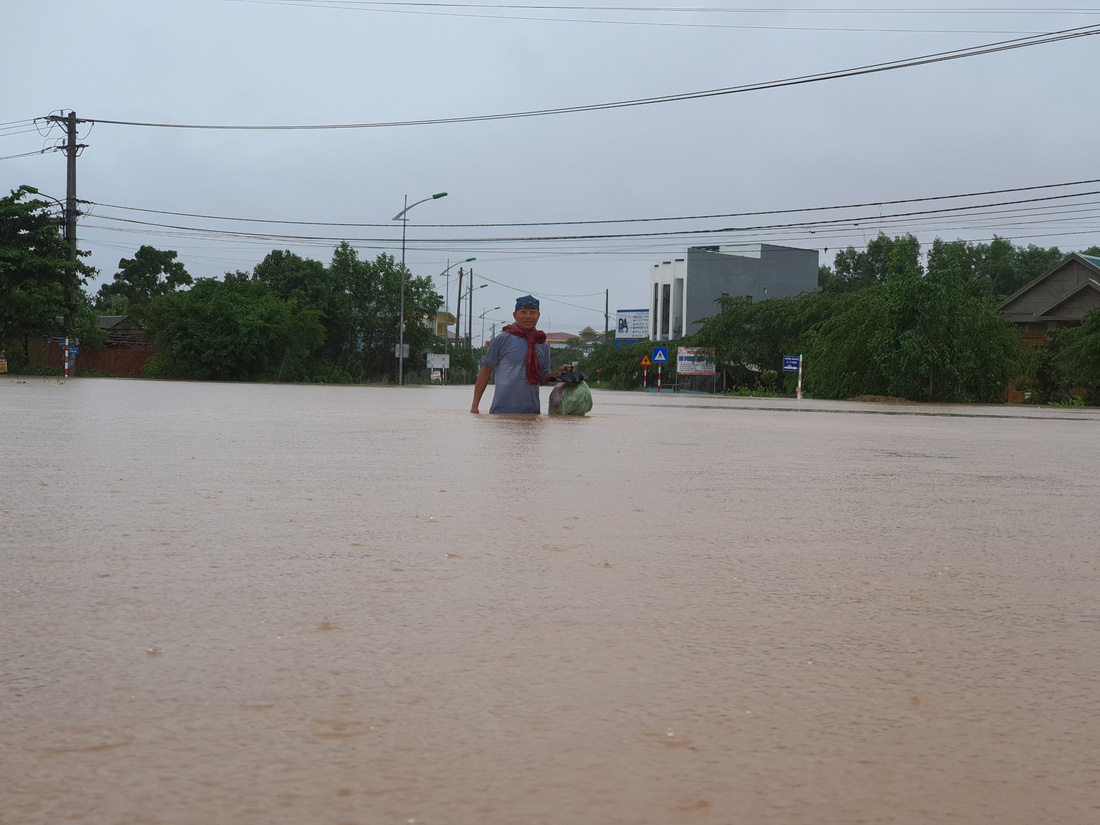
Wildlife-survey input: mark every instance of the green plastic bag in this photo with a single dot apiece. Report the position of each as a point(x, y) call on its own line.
point(570, 399)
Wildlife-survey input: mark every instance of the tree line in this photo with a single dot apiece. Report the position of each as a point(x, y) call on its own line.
point(885, 324)
point(289, 319)
point(882, 323)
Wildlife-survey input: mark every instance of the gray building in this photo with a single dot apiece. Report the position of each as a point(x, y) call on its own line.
point(684, 290)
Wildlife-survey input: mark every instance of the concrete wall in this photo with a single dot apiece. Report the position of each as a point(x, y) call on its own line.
point(691, 285)
point(666, 299)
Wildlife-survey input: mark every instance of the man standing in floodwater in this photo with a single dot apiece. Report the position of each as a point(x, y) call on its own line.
point(521, 358)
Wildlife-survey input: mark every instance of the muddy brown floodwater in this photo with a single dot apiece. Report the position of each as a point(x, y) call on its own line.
point(225, 603)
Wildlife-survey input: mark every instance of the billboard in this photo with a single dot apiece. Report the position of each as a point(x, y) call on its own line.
point(631, 324)
point(695, 360)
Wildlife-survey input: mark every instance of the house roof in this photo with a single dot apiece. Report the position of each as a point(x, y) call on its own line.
point(1052, 312)
point(109, 321)
point(1089, 260)
point(1064, 293)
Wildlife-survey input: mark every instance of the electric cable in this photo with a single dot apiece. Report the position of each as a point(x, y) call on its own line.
point(807, 209)
point(874, 68)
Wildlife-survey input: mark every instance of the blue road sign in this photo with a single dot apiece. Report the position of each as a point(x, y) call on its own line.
point(791, 363)
point(660, 355)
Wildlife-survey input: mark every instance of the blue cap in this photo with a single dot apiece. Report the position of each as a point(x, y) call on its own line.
point(527, 302)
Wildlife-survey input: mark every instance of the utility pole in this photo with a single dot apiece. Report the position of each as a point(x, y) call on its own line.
point(70, 184)
point(458, 310)
point(72, 149)
point(606, 322)
point(470, 313)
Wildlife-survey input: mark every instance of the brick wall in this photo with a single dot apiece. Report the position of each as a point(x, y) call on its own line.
point(113, 361)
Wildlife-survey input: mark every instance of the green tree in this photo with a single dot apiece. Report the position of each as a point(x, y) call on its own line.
point(307, 283)
point(149, 274)
point(838, 354)
point(1031, 262)
point(39, 285)
point(753, 337)
point(944, 340)
point(1005, 266)
point(858, 269)
point(231, 330)
point(1079, 356)
point(377, 300)
point(360, 306)
point(620, 368)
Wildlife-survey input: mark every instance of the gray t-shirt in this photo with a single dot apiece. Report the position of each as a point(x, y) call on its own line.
point(507, 354)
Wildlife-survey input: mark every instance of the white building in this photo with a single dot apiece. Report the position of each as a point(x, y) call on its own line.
point(684, 290)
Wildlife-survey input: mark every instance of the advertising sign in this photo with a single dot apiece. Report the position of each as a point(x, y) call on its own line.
point(631, 324)
point(695, 360)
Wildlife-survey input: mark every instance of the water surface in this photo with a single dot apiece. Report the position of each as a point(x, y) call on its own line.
point(228, 603)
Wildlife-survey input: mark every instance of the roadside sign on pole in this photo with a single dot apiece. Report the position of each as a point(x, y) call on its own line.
point(645, 361)
point(660, 355)
point(792, 363)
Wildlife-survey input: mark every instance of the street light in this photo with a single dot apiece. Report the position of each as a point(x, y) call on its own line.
point(33, 190)
point(403, 217)
point(68, 222)
point(447, 297)
point(470, 311)
point(482, 316)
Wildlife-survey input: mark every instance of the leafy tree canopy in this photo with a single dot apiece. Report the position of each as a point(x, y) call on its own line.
point(858, 269)
point(295, 319)
point(944, 340)
point(1079, 355)
point(38, 282)
point(1005, 266)
point(149, 274)
point(230, 330)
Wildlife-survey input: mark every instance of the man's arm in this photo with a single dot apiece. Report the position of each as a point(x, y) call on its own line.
point(555, 373)
point(479, 386)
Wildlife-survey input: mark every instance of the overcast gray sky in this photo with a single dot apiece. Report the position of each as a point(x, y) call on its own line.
point(1008, 119)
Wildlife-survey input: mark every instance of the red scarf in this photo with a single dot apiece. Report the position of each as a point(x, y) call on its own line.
point(535, 336)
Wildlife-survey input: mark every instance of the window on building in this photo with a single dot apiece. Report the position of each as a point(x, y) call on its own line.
point(667, 296)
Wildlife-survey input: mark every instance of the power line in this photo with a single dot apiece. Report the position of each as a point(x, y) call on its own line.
point(973, 10)
point(925, 60)
point(446, 10)
point(29, 154)
point(759, 213)
point(678, 233)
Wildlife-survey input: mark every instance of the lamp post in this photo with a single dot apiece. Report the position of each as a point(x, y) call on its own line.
point(482, 316)
point(71, 241)
point(403, 217)
point(470, 310)
point(447, 297)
